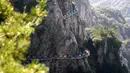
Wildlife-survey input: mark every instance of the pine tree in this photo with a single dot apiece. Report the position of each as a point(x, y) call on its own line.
point(15, 30)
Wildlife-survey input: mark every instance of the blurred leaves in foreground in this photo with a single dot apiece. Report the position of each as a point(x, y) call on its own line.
point(15, 30)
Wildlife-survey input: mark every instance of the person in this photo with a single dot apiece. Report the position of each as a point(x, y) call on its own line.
point(87, 52)
point(74, 8)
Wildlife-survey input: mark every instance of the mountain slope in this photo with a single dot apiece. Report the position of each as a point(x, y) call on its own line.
point(122, 5)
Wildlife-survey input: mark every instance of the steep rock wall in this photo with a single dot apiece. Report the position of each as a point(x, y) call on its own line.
point(61, 38)
point(105, 50)
point(114, 19)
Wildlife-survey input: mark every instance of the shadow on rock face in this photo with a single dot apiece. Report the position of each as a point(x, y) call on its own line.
point(76, 70)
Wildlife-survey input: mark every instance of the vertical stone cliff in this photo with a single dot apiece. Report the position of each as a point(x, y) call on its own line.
point(61, 37)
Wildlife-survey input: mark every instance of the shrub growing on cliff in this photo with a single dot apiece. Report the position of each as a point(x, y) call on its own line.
point(15, 29)
point(103, 34)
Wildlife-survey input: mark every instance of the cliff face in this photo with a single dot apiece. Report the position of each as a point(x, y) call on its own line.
point(105, 50)
point(59, 40)
point(59, 37)
point(57, 32)
point(114, 19)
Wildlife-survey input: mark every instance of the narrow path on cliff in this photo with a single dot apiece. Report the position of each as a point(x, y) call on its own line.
point(85, 57)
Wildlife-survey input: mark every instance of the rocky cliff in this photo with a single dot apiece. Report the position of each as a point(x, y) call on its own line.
point(114, 19)
point(61, 37)
point(105, 50)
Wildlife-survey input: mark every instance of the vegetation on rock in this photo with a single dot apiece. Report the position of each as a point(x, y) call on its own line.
point(104, 46)
point(102, 32)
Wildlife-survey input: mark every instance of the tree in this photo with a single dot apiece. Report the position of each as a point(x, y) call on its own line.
point(15, 30)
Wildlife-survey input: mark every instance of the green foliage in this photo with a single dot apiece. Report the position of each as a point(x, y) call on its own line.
point(104, 37)
point(15, 29)
point(99, 33)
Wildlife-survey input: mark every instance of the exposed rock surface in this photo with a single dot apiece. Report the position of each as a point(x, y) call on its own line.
point(114, 19)
point(58, 37)
point(105, 51)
